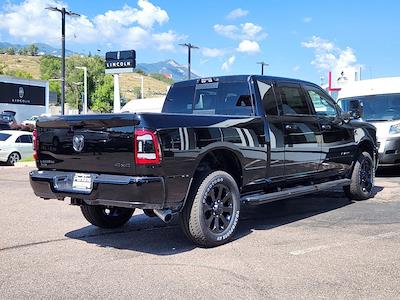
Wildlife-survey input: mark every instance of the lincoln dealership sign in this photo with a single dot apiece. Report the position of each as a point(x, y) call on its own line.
point(120, 62)
point(13, 93)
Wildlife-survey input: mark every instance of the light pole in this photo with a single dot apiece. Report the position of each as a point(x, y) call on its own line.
point(77, 84)
point(85, 99)
point(63, 12)
point(262, 66)
point(190, 47)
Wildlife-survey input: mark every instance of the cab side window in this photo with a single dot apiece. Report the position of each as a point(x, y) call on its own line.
point(323, 105)
point(293, 100)
point(268, 98)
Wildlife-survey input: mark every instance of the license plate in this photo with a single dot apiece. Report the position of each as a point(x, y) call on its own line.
point(82, 182)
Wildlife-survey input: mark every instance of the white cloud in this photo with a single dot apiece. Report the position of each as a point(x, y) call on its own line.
point(227, 65)
point(229, 31)
point(248, 47)
point(212, 52)
point(237, 13)
point(318, 44)
point(328, 57)
point(307, 19)
point(296, 68)
point(247, 31)
point(29, 21)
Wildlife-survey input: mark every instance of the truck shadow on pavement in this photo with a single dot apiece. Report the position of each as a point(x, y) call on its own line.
point(151, 235)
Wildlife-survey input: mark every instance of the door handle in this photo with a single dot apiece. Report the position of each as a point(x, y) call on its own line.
point(291, 127)
point(326, 127)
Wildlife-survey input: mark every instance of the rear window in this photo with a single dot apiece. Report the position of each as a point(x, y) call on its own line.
point(217, 98)
point(4, 136)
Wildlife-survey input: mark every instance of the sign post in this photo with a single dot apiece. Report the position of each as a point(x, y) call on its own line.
point(118, 62)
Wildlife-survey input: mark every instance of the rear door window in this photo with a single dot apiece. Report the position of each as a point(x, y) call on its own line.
point(226, 98)
point(294, 101)
point(268, 98)
point(26, 139)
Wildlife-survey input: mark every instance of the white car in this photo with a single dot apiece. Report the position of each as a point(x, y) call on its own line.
point(31, 121)
point(15, 145)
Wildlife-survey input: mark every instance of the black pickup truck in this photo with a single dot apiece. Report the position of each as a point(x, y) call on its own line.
point(218, 144)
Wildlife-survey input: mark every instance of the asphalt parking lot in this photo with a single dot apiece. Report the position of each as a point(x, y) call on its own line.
point(320, 246)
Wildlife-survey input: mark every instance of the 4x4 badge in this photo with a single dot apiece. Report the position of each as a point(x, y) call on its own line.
point(78, 142)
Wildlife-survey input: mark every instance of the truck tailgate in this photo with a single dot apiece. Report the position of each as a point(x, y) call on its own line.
point(88, 143)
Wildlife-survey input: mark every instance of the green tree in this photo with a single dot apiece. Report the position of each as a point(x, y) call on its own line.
point(23, 51)
point(32, 50)
point(102, 100)
point(19, 74)
point(50, 69)
point(10, 51)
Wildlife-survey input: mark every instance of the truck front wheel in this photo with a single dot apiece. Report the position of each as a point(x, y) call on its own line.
point(362, 178)
point(211, 214)
point(106, 217)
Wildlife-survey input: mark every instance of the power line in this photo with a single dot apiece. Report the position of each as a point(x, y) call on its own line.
point(63, 12)
point(190, 47)
point(262, 66)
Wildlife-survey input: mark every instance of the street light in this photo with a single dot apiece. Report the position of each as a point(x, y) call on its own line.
point(190, 47)
point(262, 66)
point(63, 12)
point(85, 102)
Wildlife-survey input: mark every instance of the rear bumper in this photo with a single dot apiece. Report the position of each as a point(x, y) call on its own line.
point(112, 190)
point(391, 154)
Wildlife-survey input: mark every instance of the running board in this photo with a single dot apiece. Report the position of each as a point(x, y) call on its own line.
point(262, 198)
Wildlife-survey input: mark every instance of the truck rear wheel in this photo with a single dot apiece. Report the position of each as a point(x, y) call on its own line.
point(211, 214)
point(106, 217)
point(362, 178)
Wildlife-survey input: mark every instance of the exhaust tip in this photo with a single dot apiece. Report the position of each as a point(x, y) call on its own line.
point(164, 215)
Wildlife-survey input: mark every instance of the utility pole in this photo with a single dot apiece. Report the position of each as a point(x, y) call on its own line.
point(85, 99)
point(190, 47)
point(262, 66)
point(63, 12)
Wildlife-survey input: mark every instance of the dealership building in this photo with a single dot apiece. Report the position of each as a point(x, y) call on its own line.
point(26, 97)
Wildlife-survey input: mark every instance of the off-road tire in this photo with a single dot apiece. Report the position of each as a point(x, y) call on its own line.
point(106, 217)
point(198, 212)
point(359, 189)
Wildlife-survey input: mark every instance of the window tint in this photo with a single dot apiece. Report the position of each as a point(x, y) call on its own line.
point(216, 98)
point(268, 98)
point(18, 140)
point(26, 139)
point(4, 136)
point(293, 100)
point(179, 100)
point(323, 106)
point(226, 98)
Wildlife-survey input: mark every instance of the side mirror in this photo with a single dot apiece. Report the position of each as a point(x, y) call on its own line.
point(346, 117)
point(356, 109)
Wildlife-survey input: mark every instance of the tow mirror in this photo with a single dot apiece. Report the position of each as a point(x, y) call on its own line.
point(356, 109)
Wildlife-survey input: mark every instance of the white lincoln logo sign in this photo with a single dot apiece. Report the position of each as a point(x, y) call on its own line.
point(78, 142)
point(21, 92)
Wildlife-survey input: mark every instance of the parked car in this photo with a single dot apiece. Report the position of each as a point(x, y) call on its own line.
point(15, 145)
point(8, 117)
point(218, 144)
point(31, 122)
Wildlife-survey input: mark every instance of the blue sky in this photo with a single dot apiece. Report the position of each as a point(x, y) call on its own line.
point(301, 39)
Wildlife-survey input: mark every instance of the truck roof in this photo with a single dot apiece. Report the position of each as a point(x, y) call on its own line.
point(378, 86)
point(232, 78)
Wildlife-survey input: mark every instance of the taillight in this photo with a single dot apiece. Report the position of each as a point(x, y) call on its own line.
point(147, 147)
point(35, 144)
